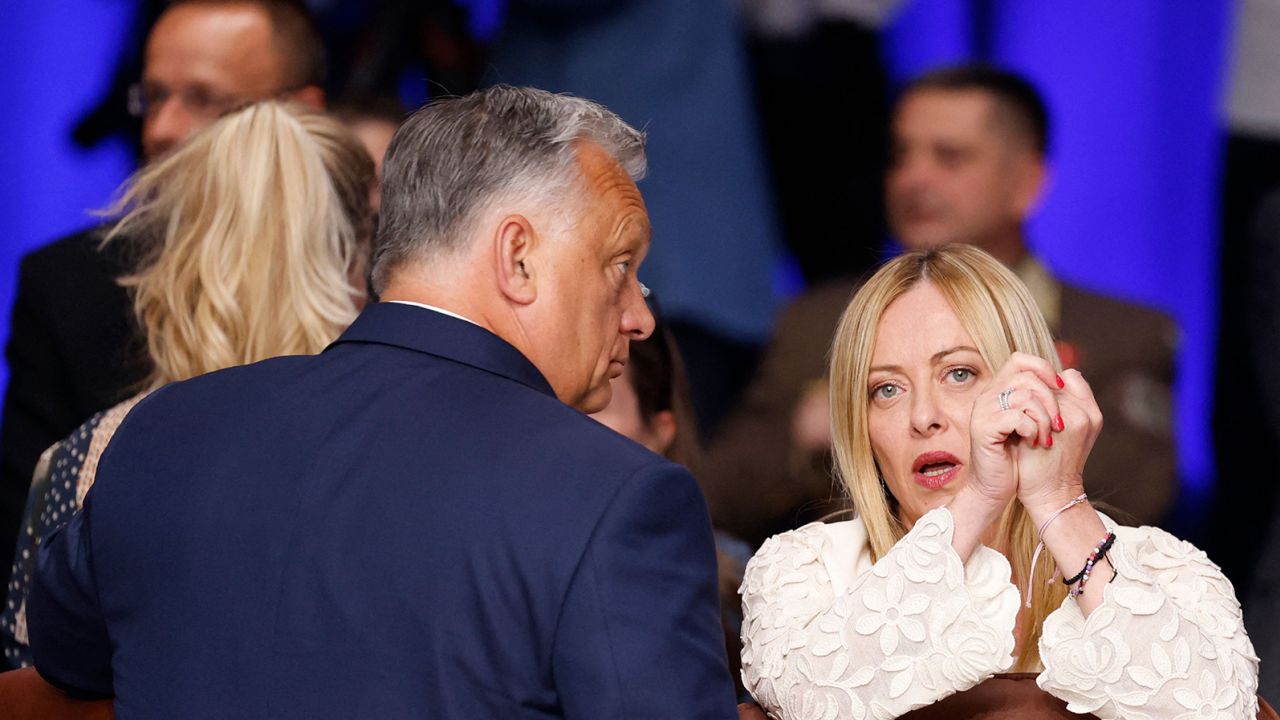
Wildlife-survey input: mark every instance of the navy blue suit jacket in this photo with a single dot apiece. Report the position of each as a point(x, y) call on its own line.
point(409, 524)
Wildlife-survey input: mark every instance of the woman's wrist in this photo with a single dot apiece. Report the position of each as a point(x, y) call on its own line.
point(1070, 539)
point(1042, 505)
point(972, 513)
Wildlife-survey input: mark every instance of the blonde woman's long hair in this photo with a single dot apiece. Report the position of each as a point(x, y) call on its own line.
point(251, 235)
point(1000, 315)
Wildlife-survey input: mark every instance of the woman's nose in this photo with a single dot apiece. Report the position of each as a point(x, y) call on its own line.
point(926, 412)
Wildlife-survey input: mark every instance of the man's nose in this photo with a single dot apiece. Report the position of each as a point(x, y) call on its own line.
point(638, 322)
point(909, 173)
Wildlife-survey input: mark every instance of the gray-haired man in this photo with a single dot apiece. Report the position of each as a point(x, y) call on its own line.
point(418, 522)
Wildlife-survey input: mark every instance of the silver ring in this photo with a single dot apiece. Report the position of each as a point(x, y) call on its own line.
point(1003, 399)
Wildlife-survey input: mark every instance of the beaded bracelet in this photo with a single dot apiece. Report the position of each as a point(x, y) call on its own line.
point(1083, 576)
point(1040, 546)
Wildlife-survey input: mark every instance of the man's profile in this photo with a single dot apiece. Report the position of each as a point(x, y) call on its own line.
point(420, 520)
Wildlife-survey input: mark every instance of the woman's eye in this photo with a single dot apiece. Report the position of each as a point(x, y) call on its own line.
point(960, 374)
point(624, 266)
point(885, 392)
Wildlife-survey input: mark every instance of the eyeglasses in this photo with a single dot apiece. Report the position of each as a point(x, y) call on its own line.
point(145, 99)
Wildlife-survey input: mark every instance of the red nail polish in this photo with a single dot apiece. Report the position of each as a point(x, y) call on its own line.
point(1060, 383)
point(1049, 443)
point(1061, 425)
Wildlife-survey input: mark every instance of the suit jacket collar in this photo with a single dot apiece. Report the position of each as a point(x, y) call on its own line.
point(427, 331)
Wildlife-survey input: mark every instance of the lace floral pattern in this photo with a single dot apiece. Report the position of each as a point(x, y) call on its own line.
point(914, 628)
point(1168, 640)
point(826, 639)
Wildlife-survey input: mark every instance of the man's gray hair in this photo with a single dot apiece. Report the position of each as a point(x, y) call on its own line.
point(454, 157)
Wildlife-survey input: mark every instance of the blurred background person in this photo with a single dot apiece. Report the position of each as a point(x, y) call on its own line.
point(1250, 498)
point(1245, 394)
point(969, 154)
point(968, 165)
point(822, 89)
point(254, 241)
point(72, 348)
point(373, 122)
point(651, 404)
point(707, 190)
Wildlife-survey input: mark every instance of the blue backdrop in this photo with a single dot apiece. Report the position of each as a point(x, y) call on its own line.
point(1134, 90)
point(1133, 86)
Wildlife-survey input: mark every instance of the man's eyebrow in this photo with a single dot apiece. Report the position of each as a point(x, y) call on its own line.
point(935, 359)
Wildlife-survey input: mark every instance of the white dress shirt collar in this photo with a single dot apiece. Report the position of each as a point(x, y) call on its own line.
point(442, 311)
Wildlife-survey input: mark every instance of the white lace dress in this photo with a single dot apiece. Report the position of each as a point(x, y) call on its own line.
point(828, 634)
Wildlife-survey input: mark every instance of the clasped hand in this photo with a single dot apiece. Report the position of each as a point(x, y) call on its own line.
point(1033, 442)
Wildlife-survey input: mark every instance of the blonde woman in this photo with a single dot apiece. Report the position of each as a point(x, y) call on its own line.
point(962, 444)
point(255, 234)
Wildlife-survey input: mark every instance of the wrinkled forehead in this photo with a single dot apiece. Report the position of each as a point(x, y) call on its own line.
point(609, 188)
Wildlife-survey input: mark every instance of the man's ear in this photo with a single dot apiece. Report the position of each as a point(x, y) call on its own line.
point(664, 427)
point(1033, 179)
point(513, 248)
point(309, 95)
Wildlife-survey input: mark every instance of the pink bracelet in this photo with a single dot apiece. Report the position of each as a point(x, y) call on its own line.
point(1040, 546)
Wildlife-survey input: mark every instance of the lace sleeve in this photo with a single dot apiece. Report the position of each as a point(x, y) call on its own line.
point(1167, 642)
point(914, 628)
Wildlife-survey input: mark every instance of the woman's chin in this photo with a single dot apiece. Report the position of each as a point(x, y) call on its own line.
point(923, 502)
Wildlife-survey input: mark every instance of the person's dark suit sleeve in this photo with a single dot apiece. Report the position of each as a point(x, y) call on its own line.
point(71, 351)
point(37, 409)
point(68, 634)
point(1264, 312)
point(639, 633)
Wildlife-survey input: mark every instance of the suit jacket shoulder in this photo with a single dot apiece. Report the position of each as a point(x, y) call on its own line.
point(1127, 354)
point(1113, 333)
point(413, 506)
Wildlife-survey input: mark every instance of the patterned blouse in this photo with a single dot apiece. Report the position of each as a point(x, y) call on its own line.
point(62, 477)
point(828, 634)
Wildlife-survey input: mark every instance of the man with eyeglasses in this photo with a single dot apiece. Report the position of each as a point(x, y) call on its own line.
point(72, 350)
point(204, 58)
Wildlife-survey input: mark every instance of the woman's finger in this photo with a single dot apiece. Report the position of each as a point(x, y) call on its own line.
point(1045, 422)
point(1021, 413)
point(1027, 392)
point(1046, 396)
point(1078, 388)
point(1026, 427)
point(1020, 362)
point(1025, 401)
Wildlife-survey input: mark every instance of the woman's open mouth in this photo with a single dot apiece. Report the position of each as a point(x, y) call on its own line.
point(933, 470)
